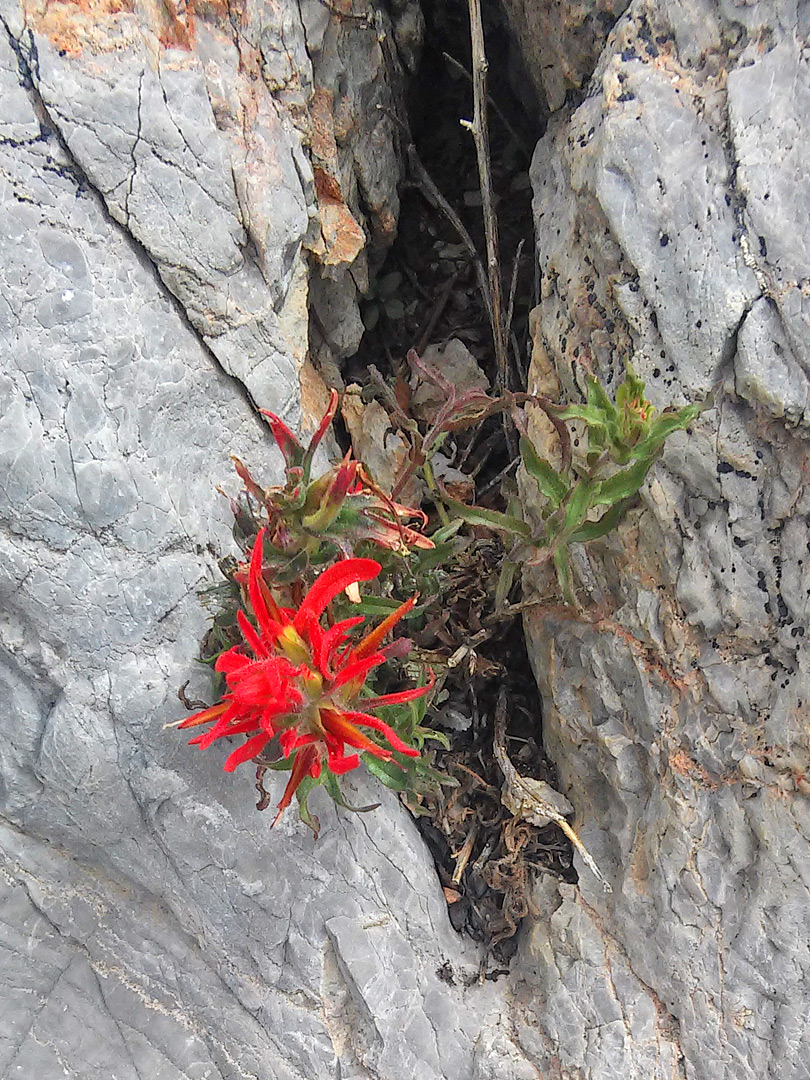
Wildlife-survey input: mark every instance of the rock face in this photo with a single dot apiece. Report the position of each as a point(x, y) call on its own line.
point(178, 183)
point(672, 227)
point(560, 42)
point(156, 194)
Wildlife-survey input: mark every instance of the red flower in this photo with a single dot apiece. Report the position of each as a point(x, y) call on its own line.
point(302, 682)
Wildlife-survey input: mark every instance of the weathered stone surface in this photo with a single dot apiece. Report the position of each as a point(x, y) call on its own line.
point(677, 701)
point(152, 924)
point(560, 42)
point(194, 126)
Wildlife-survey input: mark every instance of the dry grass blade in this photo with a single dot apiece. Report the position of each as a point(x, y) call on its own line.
point(534, 800)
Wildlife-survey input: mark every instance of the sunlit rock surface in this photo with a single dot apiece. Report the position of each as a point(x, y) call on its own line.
point(671, 215)
point(177, 185)
point(157, 193)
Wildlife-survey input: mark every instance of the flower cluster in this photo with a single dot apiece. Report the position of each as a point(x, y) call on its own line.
point(308, 520)
point(301, 684)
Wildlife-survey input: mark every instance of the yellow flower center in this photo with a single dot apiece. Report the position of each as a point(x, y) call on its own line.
point(293, 646)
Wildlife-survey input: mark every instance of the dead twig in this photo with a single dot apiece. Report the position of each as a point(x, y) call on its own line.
point(462, 856)
point(497, 479)
point(365, 18)
point(435, 315)
point(424, 181)
point(192, 704)
point(504, 119)
point(535, 800)
point(479, 128)
point(510, 310)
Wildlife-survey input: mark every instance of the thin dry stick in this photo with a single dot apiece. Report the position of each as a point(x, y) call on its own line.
point(510, 311)
point(521, 143)
point(435, 315)
point(424, 180)
point(480, 133)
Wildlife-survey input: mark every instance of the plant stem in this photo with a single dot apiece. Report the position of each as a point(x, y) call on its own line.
point(480, 133)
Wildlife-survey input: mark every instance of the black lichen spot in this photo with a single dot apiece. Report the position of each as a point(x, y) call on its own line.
point(763, 247)
point(664, 240)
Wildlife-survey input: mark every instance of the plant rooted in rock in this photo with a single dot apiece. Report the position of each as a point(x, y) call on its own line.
point(303, 687)
point(588, 495)
point(311, 521)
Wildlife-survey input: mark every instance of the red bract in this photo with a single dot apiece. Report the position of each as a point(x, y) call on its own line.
point(297, 680)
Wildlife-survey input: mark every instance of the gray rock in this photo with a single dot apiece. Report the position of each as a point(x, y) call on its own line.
point(560, 43)
point(192, 128)
point(769, 113)
point(676, 701)
point(152, 923)
point(766, 372)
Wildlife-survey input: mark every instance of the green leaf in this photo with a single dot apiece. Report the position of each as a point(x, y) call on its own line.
point(371, 315)
point(382, 605)
point(597, 398)
point(302, 794)
point(631, 390)
point(476, 515)
point(282, 765)
point(665, 425)
point(562, 565)
point(392, 776)
point(506, 579)
point(594, 530)
point(593, 417)
point(428, 558)
point(421, 734)
point(446, 532)
point(394, 309)
point(597, 440)
point(550, 482)
point(579, 503)
point(330, 782)
point(623, 484)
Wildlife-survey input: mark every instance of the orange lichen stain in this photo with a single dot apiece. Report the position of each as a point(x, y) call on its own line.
point(176, 19)
point(314, 395)
point(73, 26)
point(681, 763)
point(326, 186)
point(103, 26)
point(323, 144)
point(343, 237)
